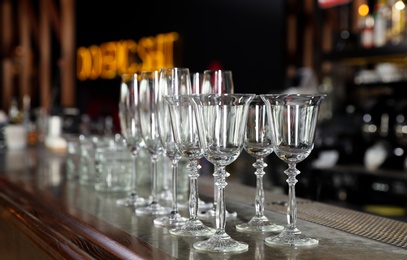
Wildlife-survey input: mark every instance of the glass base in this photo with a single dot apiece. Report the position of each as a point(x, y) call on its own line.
point(211, 213)
point(193, 228)
point(132, 201)
point(166, 195)
point(153, 209)
point(291, 237)
point(259, 224)
point(221, 243)
point(173, 220)
point(202, 205)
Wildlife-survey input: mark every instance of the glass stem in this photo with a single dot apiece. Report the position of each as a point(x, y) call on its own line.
point(259, 199)
point(193, 168)
point(154, 180)
point(215, 190)
point(292, 172)
point(133, 177)
point(221, 207)
point(165, 177)
point(174, 166)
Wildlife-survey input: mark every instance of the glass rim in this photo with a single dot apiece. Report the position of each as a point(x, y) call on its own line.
point(211, 95)
point(304, 95)
point(219, 70)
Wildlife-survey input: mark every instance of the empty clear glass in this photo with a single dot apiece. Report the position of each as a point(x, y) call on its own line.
point(221, 123)
point(186, 136)
point(258, 143)
point(293, 123)
point(148, 98)
point(115, 167)
point(172, 81)
point(130, 129)
point(213, 82)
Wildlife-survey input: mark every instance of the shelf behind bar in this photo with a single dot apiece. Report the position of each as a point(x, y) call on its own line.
point(362, 56)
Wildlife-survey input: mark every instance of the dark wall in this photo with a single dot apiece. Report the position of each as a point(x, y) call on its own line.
point(246, 37)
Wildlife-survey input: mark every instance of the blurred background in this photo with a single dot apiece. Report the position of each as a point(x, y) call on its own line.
point(65, 57)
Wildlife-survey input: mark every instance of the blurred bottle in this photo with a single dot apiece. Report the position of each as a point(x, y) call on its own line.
point(3, 123)
point(30, 126)
point(14, 115)
point(398, 21)
point(382, 16)
point(345, 40)
point(400, 133)
point(366, 34)
point(382, 126)
point(400, 128)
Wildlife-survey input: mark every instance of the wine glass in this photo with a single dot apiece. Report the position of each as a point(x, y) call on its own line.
point(293, 123)
point(213, 82)
point(221, 122)
point(185, 131)
point(148, 98)
point(172, 81)
point(129, 124)
point(258, 143)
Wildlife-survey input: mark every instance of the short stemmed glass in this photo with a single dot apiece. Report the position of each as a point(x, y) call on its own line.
point(172, 81)
point(185, 131)
point(258, 143)
point(214, 82)
point(148, 98)
point(129, 124)
point(221, 122)
point(293, 122)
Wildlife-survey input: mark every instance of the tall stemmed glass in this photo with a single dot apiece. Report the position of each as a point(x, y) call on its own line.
point(293, 122)
point(221, 123)
point(258, 143)
point(130, 129)
point(186, 136)
point(148, 98)
point(173, 81)
point(214, 82)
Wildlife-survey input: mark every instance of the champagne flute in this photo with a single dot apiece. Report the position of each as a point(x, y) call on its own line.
point(172, 81)
point(221, 122)
point(293, 124)
point(148, 98)
point(185, 131)
point(213, 82)
point(130, 129)
point(258, 143)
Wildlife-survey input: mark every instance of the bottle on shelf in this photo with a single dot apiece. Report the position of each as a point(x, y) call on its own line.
point(14, 115)
point(366, 34)
point(382, 19)
point(397, 22)
point(345, 39)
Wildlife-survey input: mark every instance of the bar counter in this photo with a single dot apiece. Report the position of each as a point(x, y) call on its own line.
point(46, 216)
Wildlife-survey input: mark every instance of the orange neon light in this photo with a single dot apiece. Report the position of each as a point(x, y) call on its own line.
point(116, 58)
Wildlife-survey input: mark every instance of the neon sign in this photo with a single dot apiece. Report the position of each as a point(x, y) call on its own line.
point(127, 56)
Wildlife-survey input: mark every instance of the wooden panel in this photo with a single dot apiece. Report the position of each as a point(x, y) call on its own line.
point(24, 50)
point(15, 245)
point(68, 53)
point(45, 55)
point(27, 35)
point(7, 64)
